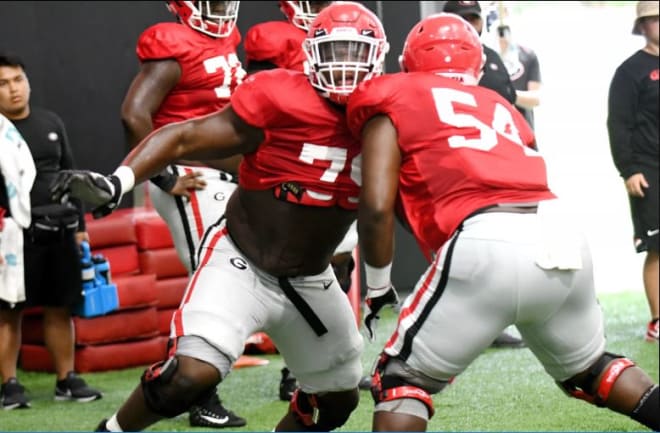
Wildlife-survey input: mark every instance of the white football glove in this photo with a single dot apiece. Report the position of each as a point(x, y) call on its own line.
point(375, 301)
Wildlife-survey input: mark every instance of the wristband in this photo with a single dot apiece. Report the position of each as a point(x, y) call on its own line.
point(126, 178)
point(378, 278)
point(164, 180)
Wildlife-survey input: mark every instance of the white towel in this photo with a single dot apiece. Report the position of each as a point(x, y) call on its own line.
point(561, 241)
point(12, 281)
point(18, 170)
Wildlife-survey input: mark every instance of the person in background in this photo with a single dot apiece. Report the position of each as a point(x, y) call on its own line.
point(523, 66)
point(456, 162)
point(495, 75)
point(51, 247)
point(278, 44)
point(266, 265)
point(188, 69)
point(632, 124)
point(496, 78)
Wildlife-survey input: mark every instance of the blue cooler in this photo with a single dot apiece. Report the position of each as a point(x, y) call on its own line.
point(109, 296)
point(99, 296)
point(102, 269)
point(92, 302)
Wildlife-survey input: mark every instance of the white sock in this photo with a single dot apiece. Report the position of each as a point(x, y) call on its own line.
point(113, 425)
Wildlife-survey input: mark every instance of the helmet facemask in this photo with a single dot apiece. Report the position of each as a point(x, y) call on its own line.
point(341, 60)
point(214, 18)
point(302, 13)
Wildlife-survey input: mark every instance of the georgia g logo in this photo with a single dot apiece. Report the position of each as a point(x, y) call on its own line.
point(238, 263)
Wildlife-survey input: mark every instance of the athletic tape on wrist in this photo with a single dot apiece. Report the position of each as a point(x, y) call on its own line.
point(378, 278)
point(126, 178)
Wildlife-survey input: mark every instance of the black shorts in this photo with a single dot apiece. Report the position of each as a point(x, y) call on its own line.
point(645, 213)
point(52, 270)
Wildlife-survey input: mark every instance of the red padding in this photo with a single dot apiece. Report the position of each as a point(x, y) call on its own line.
point(123, 259)
point(170, 291)
point(152, 233)
point(164, 320)
point(99, 358)
point(122, 326)
point(164, 263)
point(112, 328)
point(136, 291)
point(113, 230)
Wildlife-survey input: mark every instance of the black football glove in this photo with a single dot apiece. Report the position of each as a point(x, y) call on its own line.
point(375, 301)
point(101, 192)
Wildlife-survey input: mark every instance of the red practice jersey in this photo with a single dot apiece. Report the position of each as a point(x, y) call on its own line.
point(307, 155)
point(276, 42)
point(462, 148)
point(210, 69)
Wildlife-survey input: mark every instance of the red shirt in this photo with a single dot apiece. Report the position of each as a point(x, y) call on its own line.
point(276, 42)
point(210, 69)
point(308, 146)
point(462, 147)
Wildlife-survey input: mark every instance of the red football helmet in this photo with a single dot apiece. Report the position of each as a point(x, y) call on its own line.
point(345, 45)
point(302, 13)
point(214, 18)
point(446, 44)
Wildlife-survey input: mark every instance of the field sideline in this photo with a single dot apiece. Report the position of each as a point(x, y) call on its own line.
point(504, 390)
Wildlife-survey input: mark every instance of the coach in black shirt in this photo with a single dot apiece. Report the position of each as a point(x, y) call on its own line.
point(495, 75)
point(632, 124)
point(50, 247)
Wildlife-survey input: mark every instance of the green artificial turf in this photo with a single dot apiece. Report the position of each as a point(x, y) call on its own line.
point(503, 390)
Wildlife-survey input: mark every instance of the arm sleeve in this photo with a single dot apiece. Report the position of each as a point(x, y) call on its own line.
point(621, 108)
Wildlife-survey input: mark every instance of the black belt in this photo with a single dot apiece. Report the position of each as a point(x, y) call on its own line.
point(505, 208)
point(303, 307)
point(509, 209)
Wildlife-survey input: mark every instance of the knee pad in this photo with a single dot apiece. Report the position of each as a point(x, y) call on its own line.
point(611, 365)
point(318, 413)
point(392, 379)
point(167, 393)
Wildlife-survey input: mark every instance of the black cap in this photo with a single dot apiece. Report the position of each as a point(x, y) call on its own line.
point(463, 8)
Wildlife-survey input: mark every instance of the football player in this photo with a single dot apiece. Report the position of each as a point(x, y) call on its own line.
point(188, 69)
point(459, 160)
point(265, 266)
point(278, 44)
